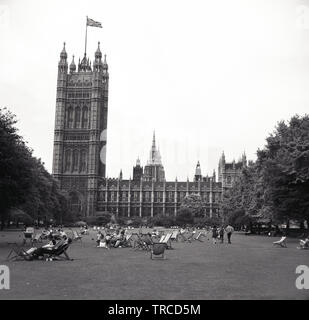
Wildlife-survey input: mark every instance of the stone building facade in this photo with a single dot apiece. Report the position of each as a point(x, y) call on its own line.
point(79, 159)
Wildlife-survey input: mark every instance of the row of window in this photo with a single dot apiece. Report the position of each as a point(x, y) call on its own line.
point(79, 95)
point(146, 211)
point(75, 160)
point(158, 196)
point(77, 117)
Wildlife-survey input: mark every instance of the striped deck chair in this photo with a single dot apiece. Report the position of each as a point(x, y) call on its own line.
point(174, 236)
point(37, 238)
point(198, 236)
point(167, 240)
point(77, 236)
point(281, 243)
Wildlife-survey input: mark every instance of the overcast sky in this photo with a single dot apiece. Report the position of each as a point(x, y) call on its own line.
point(207, 76)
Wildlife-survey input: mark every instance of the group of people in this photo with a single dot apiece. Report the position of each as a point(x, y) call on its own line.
point(218, 233)
point(107, 240)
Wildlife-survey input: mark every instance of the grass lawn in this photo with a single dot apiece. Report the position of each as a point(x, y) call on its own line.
point(249, 268)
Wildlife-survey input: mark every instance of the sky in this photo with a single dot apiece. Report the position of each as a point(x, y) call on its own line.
point(207, 76)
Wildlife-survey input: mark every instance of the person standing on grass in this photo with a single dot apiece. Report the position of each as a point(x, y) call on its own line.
point(229, 230)
point(221, 234)
point(214, 234)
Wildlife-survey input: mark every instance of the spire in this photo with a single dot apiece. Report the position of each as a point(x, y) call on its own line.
point(138, 162)
point(63, 64)
point(120, 174)
point(154, 140)
point(98, 53)
point(198, 172)
point(72, 65)
point(63, 54)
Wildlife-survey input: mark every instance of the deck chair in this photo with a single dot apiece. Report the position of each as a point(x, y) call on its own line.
point(59, 253)
point(167, 241)
point(304, 244)
point(28, 235)
point(198, 236)
point(77, 236)
point(37, 238)
point(157, 250)
point(143, 242)
point(128, 241)
point(281, 243)
point(174, 236)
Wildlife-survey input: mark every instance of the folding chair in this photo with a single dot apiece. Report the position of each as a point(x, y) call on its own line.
point(77, 236)
point(28, 235)
point(157, 250)
point(59, 253)
point(37, 238)
point(304, 244)
point(167, 241)
point(174, 236)
point(281, 243)
point(198, 236)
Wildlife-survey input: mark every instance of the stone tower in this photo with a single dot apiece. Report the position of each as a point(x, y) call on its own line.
point(79, 159)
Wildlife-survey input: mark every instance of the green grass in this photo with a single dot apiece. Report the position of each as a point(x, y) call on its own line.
point(249, 268)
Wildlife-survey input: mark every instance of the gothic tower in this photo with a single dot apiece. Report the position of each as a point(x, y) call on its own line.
point(79, 159)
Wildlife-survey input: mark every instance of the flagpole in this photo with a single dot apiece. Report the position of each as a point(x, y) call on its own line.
point(86, 36)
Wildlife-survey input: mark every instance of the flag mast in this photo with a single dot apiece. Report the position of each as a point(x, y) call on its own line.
point(86, 36)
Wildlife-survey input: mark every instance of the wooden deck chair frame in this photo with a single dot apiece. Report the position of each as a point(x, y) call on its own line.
point(174, 236)
point(77, 236)
point(158, 251)
point(167, 240)
point(198, 237)
point(60, 254)
point(281, 243)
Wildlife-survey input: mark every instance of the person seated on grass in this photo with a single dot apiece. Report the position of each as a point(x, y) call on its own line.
point(120, 238)
point(36, 253)
point(100, 237)
point(304, 244)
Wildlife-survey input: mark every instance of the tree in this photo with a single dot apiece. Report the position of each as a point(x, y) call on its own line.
point(16, 169)
point(195, 204)
point(184, 217)
point(24, 181)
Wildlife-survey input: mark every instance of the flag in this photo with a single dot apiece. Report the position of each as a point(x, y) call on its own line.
point(92, 23)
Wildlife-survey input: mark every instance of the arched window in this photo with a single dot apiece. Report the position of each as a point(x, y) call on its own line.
point(75, 160)
point(82, 167)
point(77, 117)
point(85, 118)
point(229, 179)
point(68, 155)
point(70, 118)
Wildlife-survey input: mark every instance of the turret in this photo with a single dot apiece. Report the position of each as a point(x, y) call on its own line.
point(198, 172)
point(72, 66)
point(63, 64)
point(97, 64)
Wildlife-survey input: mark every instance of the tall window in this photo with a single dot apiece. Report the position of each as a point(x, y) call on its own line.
point(77, 117)
point(85, 118)
point(82, 167)
point(75, 160)
point(70, 118)
point(68, 160)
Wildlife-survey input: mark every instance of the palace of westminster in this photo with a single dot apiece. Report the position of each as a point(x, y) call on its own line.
point(79, 158)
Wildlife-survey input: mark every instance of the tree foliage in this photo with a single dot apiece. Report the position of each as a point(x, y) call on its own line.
point(276, 185)
point(24, 181)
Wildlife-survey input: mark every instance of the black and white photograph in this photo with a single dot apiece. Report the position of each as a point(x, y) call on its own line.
point(154, 151)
